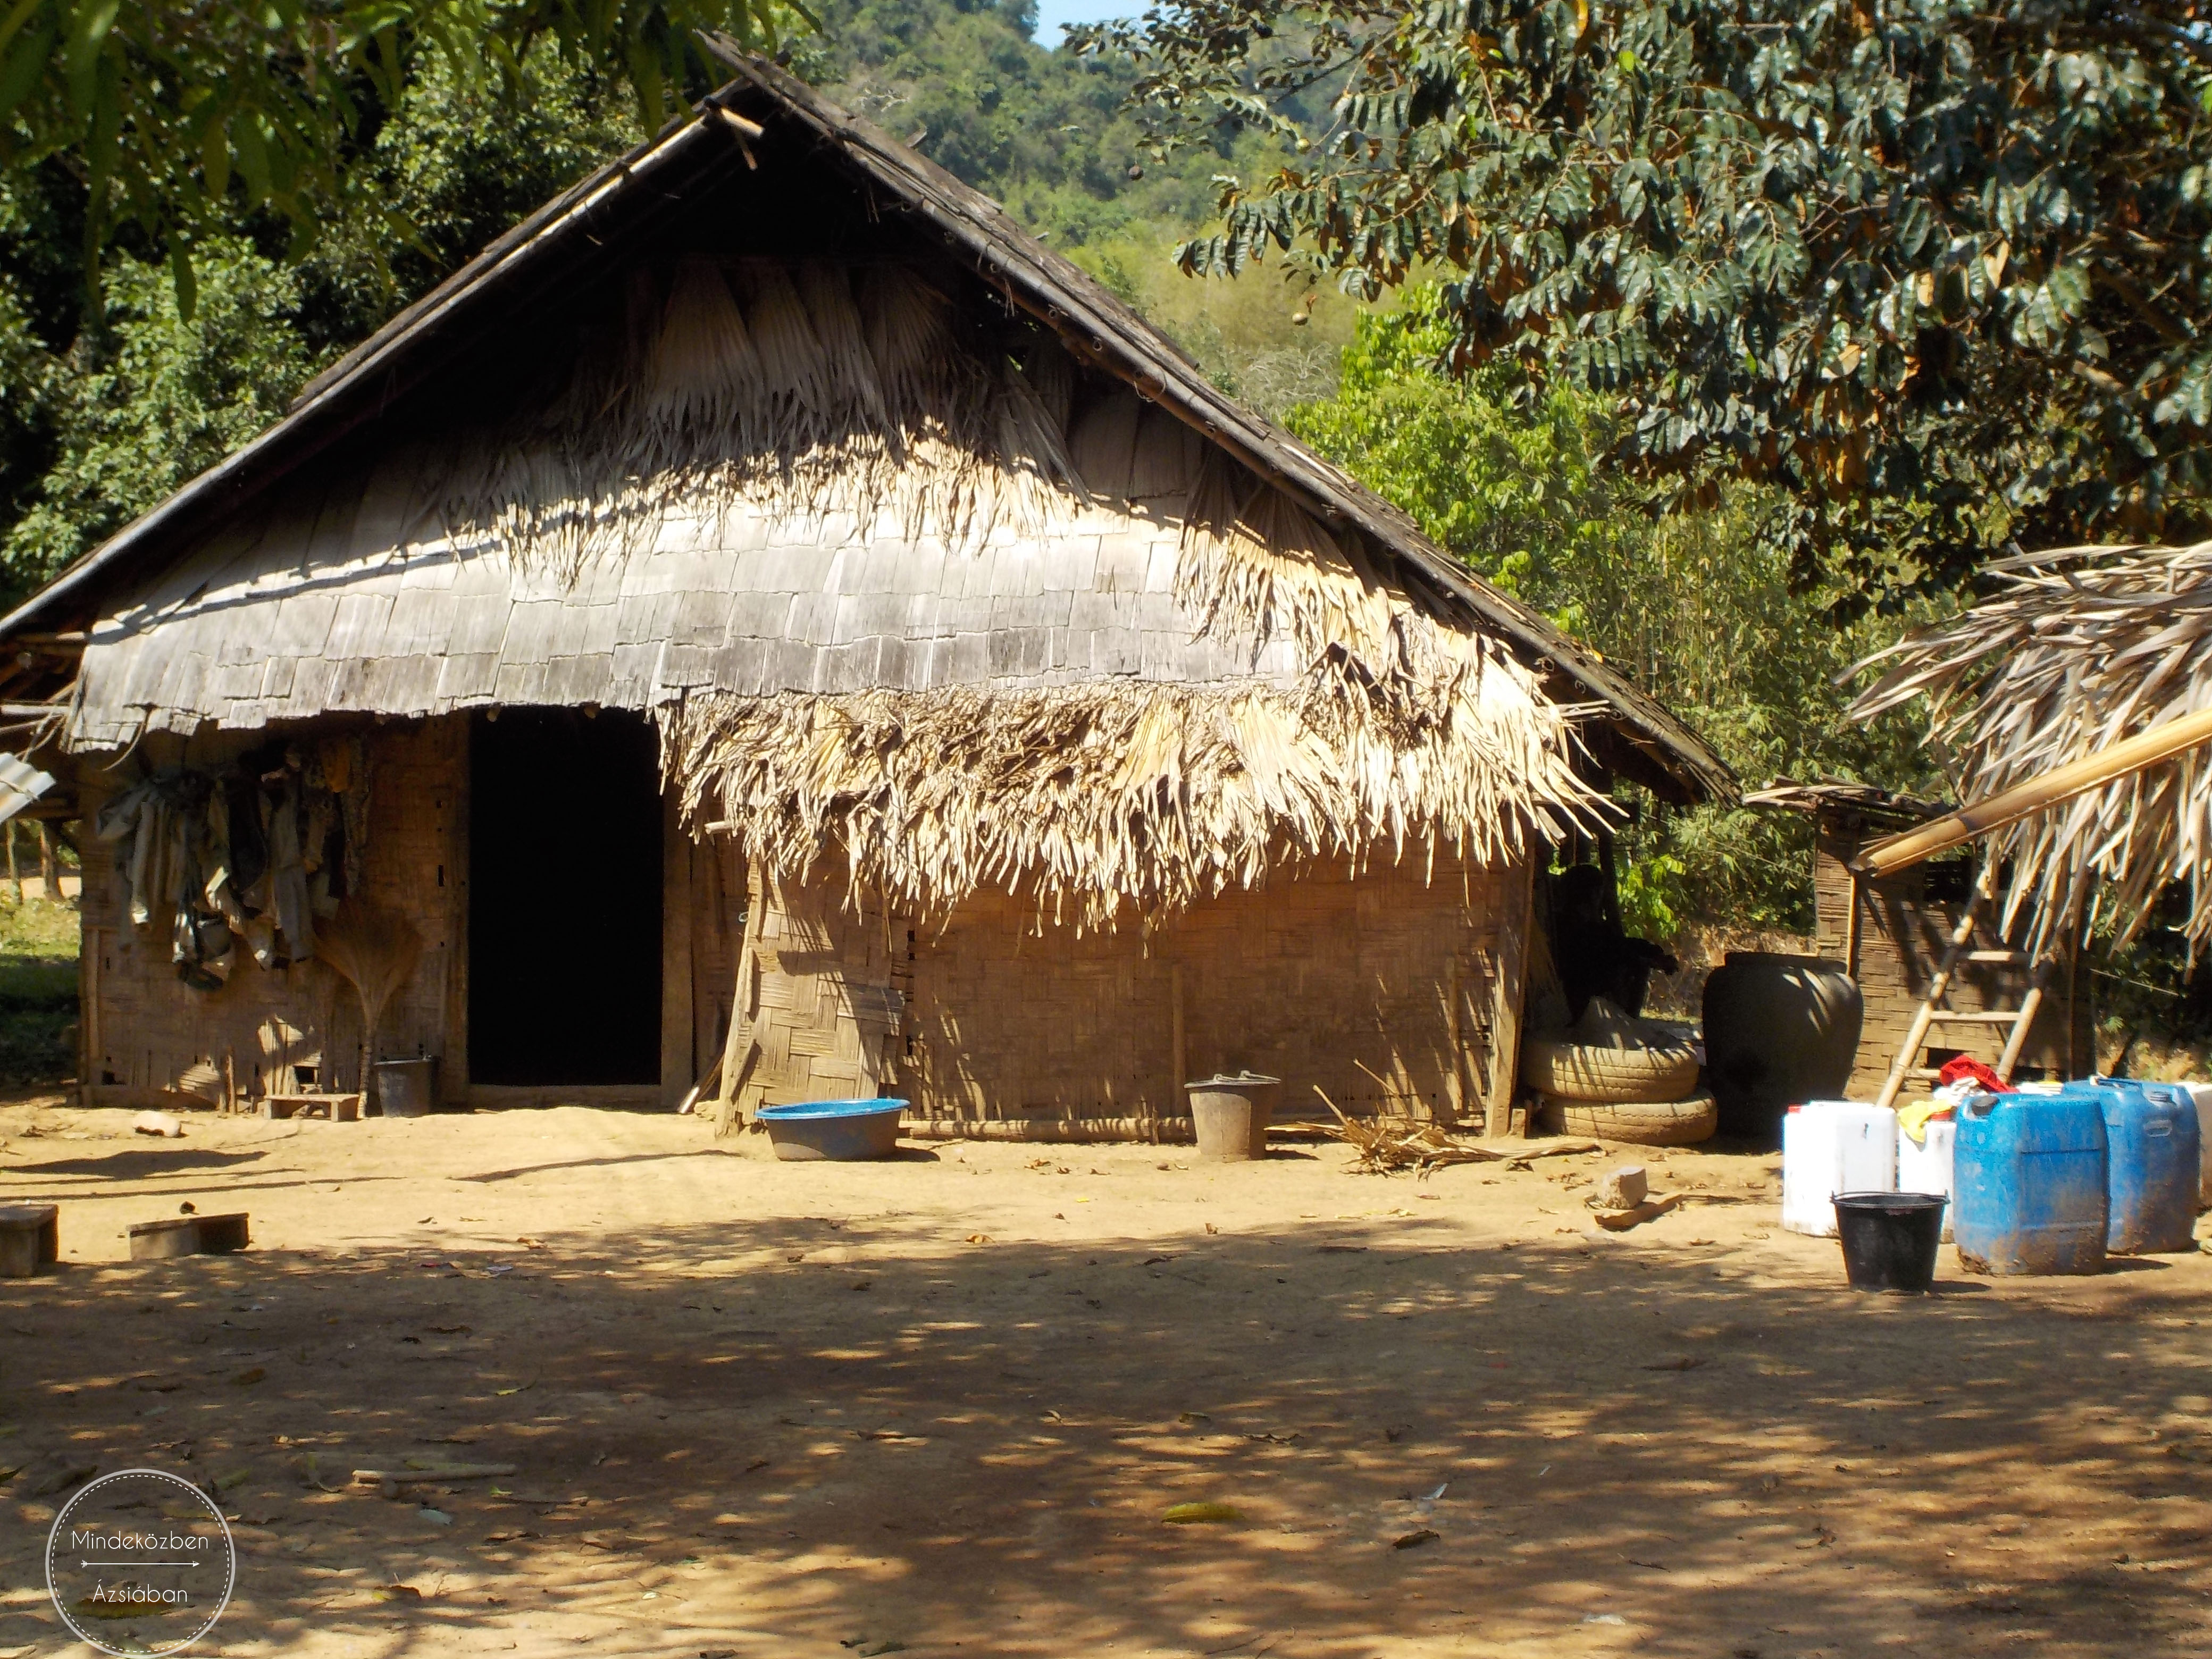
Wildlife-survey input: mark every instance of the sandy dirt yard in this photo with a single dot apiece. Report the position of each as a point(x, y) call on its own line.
point(940, 1405)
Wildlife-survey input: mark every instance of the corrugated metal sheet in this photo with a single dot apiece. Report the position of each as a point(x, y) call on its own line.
point(21, 783)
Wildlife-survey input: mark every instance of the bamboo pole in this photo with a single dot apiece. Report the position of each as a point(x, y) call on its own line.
point(2162, 741)
point(1179, 1054)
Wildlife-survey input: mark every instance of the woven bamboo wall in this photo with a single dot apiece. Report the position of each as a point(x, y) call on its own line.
point(1902, 937)
point(1321, 980)
point(141, 1028)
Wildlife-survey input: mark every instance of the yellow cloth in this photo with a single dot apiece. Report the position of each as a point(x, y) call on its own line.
point(1912, 1117)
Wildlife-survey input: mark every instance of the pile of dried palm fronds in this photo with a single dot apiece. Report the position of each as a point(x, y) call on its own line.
point(1386, 1144)
point(2080, 648)
point(792, 389)
point(1115, 791)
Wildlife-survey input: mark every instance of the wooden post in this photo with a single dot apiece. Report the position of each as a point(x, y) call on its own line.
point(15, 875)
point(744, 1005)
point(1180, 1053)
point(87, 1018)
point(1456, 1078)
point(679, 1068)
point(1507, 995)
point(49, 874)
point(1852, 927)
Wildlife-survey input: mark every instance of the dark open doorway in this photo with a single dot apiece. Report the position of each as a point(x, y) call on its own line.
point(564, 899)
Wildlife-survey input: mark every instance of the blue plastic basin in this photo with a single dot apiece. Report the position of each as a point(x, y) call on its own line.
point(843, 1131)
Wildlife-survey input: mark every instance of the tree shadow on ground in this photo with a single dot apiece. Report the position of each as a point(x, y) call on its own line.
point(763, 1435)
point(138, 1165)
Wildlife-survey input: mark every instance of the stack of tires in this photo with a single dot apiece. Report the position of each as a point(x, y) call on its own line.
point(1614, 1079)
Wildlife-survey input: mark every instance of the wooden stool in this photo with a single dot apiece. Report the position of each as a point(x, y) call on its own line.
point(339, 1109)
point(30, 1239)
point(188, 1235)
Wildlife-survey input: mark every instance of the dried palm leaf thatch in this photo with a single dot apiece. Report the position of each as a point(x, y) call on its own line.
point(1089, 797)
point(375, 949)
point(1254, 565)
point(781, 389)
point(1385, 1145)
point(2080, 648)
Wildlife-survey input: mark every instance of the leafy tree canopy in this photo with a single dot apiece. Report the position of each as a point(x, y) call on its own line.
point(170, 114)
point(102, 414)
point(1941, 268)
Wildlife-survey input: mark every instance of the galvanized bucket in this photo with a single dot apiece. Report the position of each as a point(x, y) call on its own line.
point(1231, 1114)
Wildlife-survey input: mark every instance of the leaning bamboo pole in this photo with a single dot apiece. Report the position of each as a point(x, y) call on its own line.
point(2162, 741)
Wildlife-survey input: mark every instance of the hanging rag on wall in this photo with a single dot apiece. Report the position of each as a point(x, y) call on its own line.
point(253, 852)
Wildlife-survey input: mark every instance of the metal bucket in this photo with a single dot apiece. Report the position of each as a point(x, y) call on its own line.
point(1231, 1114)
point(406, 1088)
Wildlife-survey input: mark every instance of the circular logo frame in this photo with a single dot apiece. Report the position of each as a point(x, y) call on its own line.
point(63, 1564)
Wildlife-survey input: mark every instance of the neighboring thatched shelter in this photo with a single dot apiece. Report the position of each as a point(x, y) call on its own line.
point(767, 613)
point(2068, 699)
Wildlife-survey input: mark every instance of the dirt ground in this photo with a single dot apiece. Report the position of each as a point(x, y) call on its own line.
point(940, 1405)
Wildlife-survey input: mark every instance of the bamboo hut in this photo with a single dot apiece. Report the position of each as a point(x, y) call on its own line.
point(768, 625)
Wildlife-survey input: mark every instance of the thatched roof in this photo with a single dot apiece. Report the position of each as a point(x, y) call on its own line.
point(765, 191)
point(2080, 649)
point(1844, 800)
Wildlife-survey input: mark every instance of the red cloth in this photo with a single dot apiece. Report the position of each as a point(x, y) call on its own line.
point(1966, 1070)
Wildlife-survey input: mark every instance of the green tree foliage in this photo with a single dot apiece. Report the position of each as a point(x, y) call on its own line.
point(1941, 269)
point(102, 417)
point(1690, 605)
point(172, 117)
point(164, 396)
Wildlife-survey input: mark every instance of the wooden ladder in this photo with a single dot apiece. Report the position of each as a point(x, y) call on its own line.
point(1909, 1065)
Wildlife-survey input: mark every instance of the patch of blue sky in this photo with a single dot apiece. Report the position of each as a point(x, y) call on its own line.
point(1054, 15)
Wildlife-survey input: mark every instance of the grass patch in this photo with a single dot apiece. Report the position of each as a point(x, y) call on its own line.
point(38, 989)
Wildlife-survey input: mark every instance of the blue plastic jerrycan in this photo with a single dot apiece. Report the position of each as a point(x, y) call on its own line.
point(2152, 1161)
point(2030, 1195)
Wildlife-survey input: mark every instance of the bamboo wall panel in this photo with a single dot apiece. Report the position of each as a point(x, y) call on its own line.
point(1325, 980)
point(833, 985)
point(149, 1028)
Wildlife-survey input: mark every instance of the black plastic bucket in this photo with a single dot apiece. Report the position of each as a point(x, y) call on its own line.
point(1889, 1239)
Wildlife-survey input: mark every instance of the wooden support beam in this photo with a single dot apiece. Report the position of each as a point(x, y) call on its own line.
point(678, 1069)
point(1507, 994)
point(739, 1047)
point(2162, 741)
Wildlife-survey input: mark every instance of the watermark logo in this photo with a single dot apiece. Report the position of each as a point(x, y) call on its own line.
point(141, 1562)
